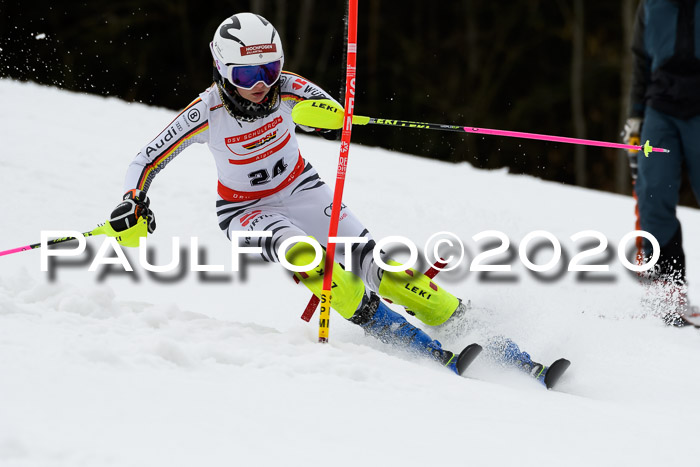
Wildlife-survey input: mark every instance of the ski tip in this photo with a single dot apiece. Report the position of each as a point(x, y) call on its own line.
point(555, 371)
point(467, 356)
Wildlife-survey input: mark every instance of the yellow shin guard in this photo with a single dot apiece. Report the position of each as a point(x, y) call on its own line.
point(347, 290)
point(431, 304)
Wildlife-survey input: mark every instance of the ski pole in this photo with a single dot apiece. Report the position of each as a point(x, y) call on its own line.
point(55, 241)
point(325, 113)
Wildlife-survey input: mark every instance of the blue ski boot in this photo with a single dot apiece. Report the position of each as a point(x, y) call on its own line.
point(379, 321)
point(507, 353)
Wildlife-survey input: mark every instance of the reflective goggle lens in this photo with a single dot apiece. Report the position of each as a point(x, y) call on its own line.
point(248, 76)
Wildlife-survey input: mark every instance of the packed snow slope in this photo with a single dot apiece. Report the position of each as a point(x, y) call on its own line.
point(111, 368)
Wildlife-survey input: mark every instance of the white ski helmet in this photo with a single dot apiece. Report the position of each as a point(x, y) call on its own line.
point(247, 39)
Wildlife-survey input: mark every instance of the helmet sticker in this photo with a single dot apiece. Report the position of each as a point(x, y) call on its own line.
point(258, 49)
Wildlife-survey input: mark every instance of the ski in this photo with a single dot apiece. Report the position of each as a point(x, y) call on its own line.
point(687, 323)
point(551, 374)
point(689, 319)
point(467, 356)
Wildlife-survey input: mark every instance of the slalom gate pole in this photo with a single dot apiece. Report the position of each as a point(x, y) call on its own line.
point(55, 241)
point(436, 268)
point(350, 73)
point(324, 113)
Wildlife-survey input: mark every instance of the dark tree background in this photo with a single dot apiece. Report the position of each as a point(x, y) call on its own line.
point(558, 67)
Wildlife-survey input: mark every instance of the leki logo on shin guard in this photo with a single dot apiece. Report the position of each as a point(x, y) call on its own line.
point(418, 291)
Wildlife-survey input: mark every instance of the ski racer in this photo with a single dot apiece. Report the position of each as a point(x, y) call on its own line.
point(265, 184)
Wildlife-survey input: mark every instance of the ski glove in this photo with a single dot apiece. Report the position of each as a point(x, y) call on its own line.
point(128, 212)
point(328, 134)
point(631, 135)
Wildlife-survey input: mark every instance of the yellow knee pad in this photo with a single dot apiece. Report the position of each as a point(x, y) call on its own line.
point(347, 289)
point(431, 304)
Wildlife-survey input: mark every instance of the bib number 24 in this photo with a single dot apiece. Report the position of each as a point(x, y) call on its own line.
point(263, 176)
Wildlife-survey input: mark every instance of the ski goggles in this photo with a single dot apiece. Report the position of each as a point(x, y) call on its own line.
point(247, 76)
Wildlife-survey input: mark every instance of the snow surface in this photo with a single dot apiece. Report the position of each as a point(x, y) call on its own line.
point(131, 369)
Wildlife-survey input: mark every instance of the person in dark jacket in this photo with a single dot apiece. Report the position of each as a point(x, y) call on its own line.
point(665, 109)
